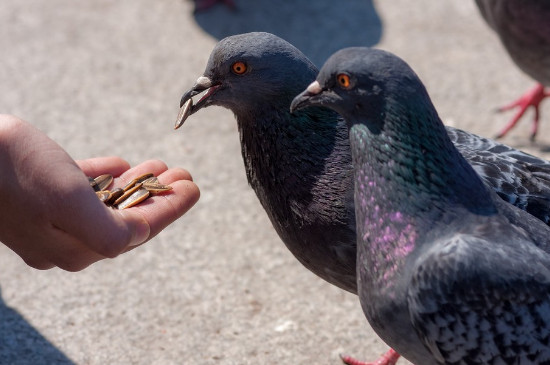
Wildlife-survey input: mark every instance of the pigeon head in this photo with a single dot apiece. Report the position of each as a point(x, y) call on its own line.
point(365, 85)
point(248, 72)
point(396, 136)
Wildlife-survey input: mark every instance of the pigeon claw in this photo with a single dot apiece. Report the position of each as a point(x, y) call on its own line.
point(531, 98)
point(389, 358)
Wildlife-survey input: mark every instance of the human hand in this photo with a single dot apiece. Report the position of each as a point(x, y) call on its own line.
point(50, 216)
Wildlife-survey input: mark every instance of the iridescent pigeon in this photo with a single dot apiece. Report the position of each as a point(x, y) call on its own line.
point(448, 273)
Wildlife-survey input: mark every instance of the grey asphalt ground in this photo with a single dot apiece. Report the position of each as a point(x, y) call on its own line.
point(105, 77)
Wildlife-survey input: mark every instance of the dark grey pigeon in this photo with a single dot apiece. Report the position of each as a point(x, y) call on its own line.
point(523, 27)
point(299, 164)
point(448, 273)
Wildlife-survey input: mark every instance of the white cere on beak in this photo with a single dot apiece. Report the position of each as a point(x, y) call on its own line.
point(314, 88)
point(203, 82)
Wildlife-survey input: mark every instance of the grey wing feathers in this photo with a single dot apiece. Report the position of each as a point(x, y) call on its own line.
point(474, 302)
point(517, 177)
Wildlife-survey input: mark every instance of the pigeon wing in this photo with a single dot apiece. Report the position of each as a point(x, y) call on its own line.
point(475, 301)
point(517, 177)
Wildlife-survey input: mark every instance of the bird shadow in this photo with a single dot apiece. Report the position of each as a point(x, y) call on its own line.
point(318, 28)
point(539, 146)
point(21, 343)
point(523, 143)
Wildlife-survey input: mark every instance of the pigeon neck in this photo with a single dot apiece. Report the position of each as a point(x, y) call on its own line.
point(415, 166)
point(286, 157)
point(406, 179)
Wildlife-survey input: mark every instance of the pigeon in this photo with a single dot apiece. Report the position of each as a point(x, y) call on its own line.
point(300, 166)
point(524, 29)
point(448, 273)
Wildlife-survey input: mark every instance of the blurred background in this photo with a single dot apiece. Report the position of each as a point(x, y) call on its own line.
point(105, 77)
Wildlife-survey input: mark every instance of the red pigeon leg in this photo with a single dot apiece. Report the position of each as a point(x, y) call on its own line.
point(531, 98)
point(389, 358)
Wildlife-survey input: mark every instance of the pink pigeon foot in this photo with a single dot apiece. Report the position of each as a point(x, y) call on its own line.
point(201, 5)
point(531, 98)
point(389, 358)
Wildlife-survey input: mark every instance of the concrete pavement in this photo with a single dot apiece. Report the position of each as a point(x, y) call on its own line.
point(217, 286)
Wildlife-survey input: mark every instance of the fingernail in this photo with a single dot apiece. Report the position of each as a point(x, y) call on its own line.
point(141, 234)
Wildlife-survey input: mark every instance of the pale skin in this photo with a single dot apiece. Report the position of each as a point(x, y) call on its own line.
point(51, 217)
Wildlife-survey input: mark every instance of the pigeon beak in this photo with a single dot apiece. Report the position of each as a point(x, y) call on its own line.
point(307, 97)
point(186, 103)
point(201, 84)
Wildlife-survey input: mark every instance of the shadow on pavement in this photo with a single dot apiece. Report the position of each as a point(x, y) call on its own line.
point(22, 344)
point(318, 28)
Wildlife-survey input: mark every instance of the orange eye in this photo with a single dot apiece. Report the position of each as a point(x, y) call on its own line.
point(343, 80)
point(238, 68)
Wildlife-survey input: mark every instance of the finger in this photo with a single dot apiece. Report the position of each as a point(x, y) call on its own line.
point(148, 218)
point(108, 232)
point(82, 216)
point(103, 165)
point(174, 174)
point(159, 211)
point(70, 253)
point(38, 263)
point(51, 246)
point(156, 167)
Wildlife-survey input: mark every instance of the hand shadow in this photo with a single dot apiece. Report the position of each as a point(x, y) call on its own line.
point(21, 343)
point(317, 28)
